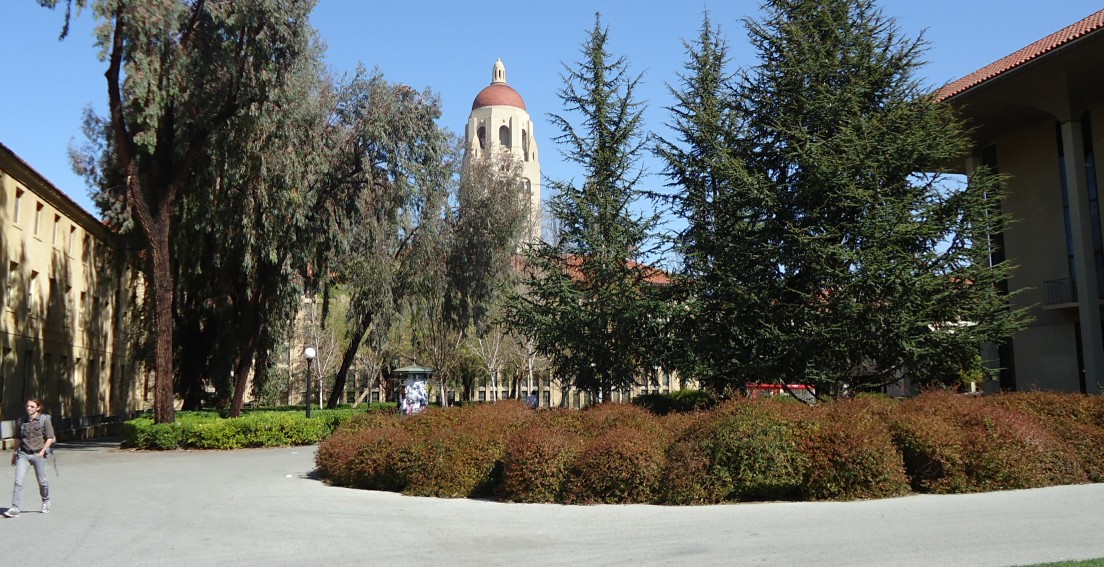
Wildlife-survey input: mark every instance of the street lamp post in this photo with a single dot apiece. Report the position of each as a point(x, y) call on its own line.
point(309, 353)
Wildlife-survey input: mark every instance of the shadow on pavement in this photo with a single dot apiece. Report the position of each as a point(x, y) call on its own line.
point(97, 444)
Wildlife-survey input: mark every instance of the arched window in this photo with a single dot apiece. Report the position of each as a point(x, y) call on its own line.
point(504, 136)
point(525, 144)
point(482, 133)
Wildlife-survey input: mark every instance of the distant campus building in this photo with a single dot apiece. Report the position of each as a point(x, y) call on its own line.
point(64, 302)
point(1037, 116)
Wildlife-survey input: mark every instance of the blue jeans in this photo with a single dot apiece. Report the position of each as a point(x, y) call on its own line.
point(24, 462)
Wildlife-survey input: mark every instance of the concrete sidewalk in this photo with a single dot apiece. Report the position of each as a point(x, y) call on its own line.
point(262, 507)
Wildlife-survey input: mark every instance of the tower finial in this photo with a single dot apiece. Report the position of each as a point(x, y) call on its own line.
point(498, 75)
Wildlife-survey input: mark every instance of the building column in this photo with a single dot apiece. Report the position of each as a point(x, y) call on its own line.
point(1088, 292)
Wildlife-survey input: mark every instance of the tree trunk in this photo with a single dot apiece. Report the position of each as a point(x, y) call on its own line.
point(260, 363)
point(255, 328)
point(245, 362)
point(162, 297)
point(444, 392)
point(241, 378)
point(346, 363)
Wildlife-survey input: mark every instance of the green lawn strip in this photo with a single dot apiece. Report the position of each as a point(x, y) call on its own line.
point(1099, 562)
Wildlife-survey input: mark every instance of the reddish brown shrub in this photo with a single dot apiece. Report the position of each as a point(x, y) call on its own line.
point(455, 453)
point(377, 466)
point(1076, 419)
point(851, 453)
point(537, 462)
point(744, 450)
point(955, 443)
point(622, 465)
point(347, 458)
point(688, 477)
point(605, 417)
point(365, 458)
point(335, 456)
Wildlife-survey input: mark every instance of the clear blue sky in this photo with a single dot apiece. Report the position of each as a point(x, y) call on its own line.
point(450, 46)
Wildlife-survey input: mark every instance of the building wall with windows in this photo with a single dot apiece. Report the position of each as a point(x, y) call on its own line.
point(1037, 117)
point(1046, 354)
point(64, 297)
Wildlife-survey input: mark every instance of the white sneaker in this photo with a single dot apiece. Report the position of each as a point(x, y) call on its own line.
point(11, 512)
point(45, 506)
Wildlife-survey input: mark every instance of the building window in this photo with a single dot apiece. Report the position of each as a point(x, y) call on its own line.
point(57, 223)
point(64, 376)
point(9, 293)
point(32, 291)
point(37, 217)
point(504, 136)
point(481, 133)
point(18, 205)
point(525, 144)
point(72, 237)
point(53, 307)
point(47, 369)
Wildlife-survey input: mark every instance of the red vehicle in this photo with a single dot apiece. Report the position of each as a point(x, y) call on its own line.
point(767, 390)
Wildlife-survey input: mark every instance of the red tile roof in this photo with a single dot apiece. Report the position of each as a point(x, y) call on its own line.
point(1039, 48)
point(653, 276)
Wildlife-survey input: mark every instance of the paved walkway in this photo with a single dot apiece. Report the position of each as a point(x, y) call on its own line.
point(262, 507)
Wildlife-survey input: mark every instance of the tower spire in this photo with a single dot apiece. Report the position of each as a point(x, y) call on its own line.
point(498, 75)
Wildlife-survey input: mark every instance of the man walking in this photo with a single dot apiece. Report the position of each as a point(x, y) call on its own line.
point(35, 434)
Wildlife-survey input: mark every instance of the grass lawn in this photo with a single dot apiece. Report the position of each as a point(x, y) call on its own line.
point(1099, 562)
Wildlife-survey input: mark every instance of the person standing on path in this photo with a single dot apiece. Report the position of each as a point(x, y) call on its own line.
point(35, 433)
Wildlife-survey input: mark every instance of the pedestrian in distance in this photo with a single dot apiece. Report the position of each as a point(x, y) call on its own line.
point(35, 434)
point(533, 400)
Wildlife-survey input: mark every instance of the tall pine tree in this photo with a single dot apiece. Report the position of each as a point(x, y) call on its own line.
point(703, 163)
point(841, 256)
point(591, 304)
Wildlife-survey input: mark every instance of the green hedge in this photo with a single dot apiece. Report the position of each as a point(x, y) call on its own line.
point(867, 447)
point(256, 428)
point(679, 401)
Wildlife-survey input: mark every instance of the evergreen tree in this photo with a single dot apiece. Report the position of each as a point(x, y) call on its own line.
point(852, 259)
point(591, 304)
point(703, 164)
point(178, 75)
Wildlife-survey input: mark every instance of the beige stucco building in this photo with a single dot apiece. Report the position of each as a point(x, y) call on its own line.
point(62, 331)
point(1038, 115)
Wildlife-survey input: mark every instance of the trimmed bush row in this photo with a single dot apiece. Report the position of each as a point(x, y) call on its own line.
point(208, 430)
point(743, 450)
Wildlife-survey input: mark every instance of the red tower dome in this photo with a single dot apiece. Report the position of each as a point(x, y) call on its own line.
point(498, 93)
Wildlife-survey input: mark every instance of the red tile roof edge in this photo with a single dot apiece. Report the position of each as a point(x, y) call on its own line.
point(1007, 63)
